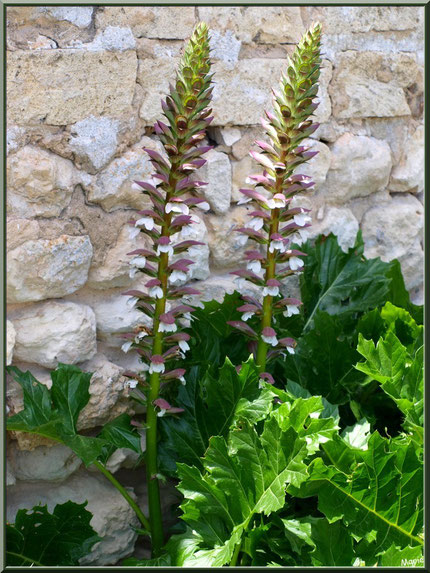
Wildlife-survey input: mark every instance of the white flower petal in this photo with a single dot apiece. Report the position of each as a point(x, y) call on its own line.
point(126, 346)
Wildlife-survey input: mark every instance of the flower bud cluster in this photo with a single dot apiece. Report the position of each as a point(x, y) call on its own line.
point(275, 225)
point(171, 193)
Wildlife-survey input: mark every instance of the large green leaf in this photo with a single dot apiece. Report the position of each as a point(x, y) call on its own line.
point(378, 490)
point(398, 368)
point(212, 403)
point(43, 539)
point(69, 394)
point(53, 413)
point(323, 361)
point(243, 477)
point(341, 283)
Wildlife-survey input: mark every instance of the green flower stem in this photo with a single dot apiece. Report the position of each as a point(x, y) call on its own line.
point(235, 554)
point(153, 485)
point(143, 520)
point(270, 274)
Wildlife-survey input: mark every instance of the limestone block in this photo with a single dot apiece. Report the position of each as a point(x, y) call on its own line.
point(39, 183)
point(112, 187)
point(114, 271)
point(227, 136)
point(43, 463)
point(112, 516)
point(79, 16)
point(225, 244)
point(241, 94)
point(339, 221)
point(394, 231)
point(15, 138)
point(240, 171)
point(44, 268)
point(112, 38)
point(161, 22)
point(154, 77)
point(108, 393)
point(408, 174)
point(95, 139)
point(359, 166)
point(242, 146)
point(225, 46)
point(199, 254)
point(268, 24)
point(10, 341)
point(47, 85)
point(18, 231)
point(217, 173)
point(319, 165)
point(371, 84)
point(323, 112)
point(54, 331)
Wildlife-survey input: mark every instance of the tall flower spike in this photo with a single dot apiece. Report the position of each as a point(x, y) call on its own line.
point(187, 115)
point(275, 225)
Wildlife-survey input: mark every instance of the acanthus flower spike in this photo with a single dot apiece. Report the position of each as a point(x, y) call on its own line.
point(276, 225)
point(186, 117)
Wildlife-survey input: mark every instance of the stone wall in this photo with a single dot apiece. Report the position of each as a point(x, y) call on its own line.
point(83, 89)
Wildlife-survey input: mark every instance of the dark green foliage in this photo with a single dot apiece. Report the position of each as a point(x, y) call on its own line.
point(41, 538)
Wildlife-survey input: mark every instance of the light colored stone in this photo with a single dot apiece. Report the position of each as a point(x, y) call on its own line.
point(122, 458)
point(112, 187)
point(227, 136)
point(109, 396)
point(42, 269)
point(39, 183)
point(242, 146)
point(412, 264)
point(240, 171)
point(10, 341)
point(361, 205)
point(394, 130)
point(18, 231)
point(359, 166)
point(393, 231)
point(79, 16)
point(114, 316)
point(15, 138)
point(199, 254)
point(319, 165)
point(44, 464)
point(270, 24)
point(112, 519)
point(10, 478)
point(54, 331)
point(241, 95)
point(408, 175)
point(217, 173)
point(154, 77)
point(112, 38)
point(87, 137)
point(225, 46)
point(172, 22)
point(47, 85)
point(114, 271)
point(339, 221)
point(323, 112)
point(42, 43)
point(216, 286)
point(225, 244)
point(370, 84)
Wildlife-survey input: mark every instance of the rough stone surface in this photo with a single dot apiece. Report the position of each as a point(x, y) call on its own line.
point(408, 174)
point(80, 16)
point(252, 24)
point(104, 502)
point(10, 341)
point(42, 269)
point(18, 231)
point(368, 84)
point(217, 173)
point(112, 187)
point(54, 331)
point(359, 166)
point(341, 222)
point(319, 165)
point(95, 139)
point(39, 183)
point(199, 253)
point(114, 272)
point(226, 245)
point(44, 463)
point(394, 231)
point(154, 79)
point(46, 85)
point(161, 22)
